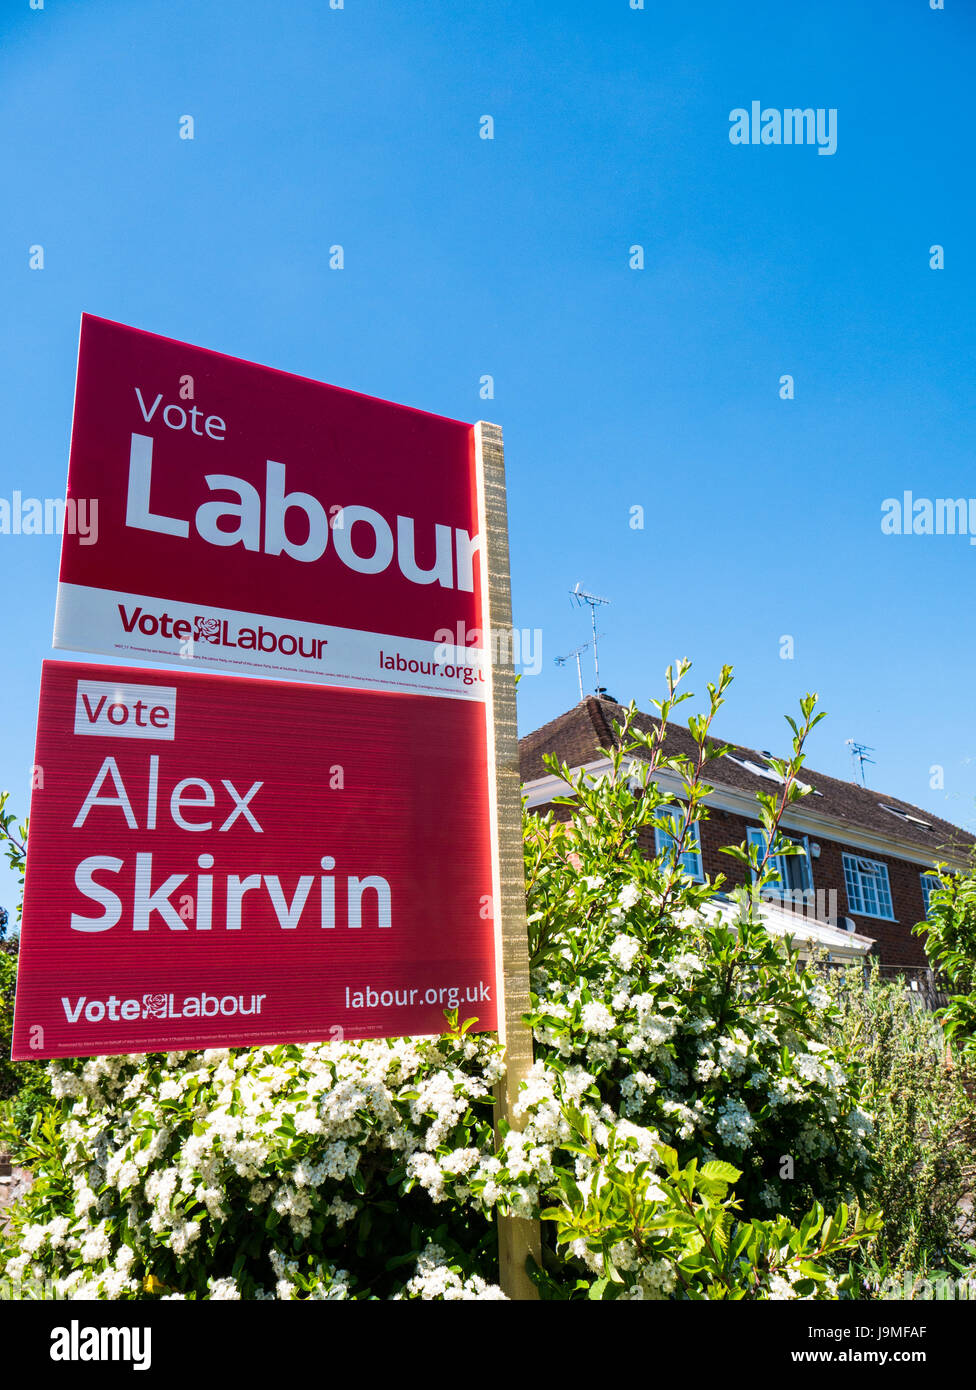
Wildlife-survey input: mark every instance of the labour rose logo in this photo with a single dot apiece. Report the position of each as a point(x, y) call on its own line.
point(206, 629)
point(154, 1006)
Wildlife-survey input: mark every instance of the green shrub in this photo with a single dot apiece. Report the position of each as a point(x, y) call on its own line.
point(24, 1086)
point(13, 837)
point(706, 1031)
point(651, 1231)
point(949, 934)
point(923, 1137)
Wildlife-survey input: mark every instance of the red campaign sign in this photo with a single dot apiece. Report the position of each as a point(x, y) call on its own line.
point(266, 524)
point(220, 862)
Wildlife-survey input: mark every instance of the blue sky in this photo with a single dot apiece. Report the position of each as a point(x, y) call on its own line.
point(615, 387)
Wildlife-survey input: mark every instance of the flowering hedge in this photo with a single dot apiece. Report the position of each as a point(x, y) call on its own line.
point(263, 1173)
point(684, 1129)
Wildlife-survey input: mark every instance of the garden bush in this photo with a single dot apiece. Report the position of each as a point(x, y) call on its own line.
point(923, 1116)
point(24, 1086)
point(949, 936)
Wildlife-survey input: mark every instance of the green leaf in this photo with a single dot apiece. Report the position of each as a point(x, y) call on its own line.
point(718, 1168)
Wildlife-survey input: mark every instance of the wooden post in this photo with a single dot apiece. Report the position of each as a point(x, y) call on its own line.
point(517, 1237)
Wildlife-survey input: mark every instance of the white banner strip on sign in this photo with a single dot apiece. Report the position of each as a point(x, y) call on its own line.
point(255, 644)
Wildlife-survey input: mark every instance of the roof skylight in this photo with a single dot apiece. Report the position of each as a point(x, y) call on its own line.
point(906, 816)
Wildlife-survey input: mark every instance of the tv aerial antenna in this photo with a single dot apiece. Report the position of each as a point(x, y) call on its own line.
point(591, 600)
point(859, 756)
point(577, 653)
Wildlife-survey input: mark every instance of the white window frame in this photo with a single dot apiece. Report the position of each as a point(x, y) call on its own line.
point(930, 882)
point(695, 869)
point(755, 835)
point(857, 869)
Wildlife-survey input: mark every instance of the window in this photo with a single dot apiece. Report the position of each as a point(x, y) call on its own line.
point(867, 887)
point(929, 884)
point(691, 860)
point(793, 869)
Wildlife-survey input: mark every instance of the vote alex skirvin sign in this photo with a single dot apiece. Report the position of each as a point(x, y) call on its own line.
point(217, 861)
point(290, 831)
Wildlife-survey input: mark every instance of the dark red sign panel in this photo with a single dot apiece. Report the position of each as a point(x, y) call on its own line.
point(264, 524)
point(219, 862)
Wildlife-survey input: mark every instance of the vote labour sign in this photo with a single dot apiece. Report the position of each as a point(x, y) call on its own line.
point(264, 524)
point(221, 862)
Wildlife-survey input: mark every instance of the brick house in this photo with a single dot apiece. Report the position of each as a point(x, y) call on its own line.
point(863, 882)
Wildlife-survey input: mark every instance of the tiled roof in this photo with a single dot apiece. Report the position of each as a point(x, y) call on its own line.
point(577, 737)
